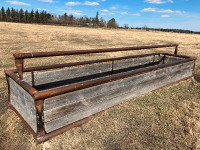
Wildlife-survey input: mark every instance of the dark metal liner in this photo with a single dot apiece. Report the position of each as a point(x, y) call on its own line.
point(39, 96)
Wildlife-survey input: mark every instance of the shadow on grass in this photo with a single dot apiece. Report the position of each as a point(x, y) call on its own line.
point(197, 77)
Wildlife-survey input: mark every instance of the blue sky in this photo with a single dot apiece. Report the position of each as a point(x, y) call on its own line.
point(180, 14)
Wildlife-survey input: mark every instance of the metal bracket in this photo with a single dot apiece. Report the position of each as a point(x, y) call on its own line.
point(20, 67)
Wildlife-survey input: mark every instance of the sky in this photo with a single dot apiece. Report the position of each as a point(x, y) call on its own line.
point(175, 14)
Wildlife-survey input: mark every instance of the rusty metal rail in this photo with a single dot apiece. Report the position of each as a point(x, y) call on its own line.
point(83, 63)
point(62, 53)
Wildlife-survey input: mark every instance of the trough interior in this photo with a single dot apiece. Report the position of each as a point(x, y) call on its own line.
point(58, 78)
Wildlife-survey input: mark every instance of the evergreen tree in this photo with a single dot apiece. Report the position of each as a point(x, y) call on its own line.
point(21, 15)
point(26, 15)
point(49, 16)
point(17, 15)
point(45, 16)
point(12, 15)
point(97, 18)
point(31, 16)
point(3, 14)
point(42, 16)
point(37, 16)
point(8, 18)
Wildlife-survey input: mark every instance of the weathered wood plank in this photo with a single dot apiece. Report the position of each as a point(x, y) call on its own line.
point(23, 102)
point(72, 98)
point(172, 59)
point(66, 109)
point(134, 62)
point(61, 75)
point(53, 102)
point(60, 111)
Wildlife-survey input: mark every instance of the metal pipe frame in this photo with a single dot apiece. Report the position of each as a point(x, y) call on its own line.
point(63, 53)
point(39, 68)
point(40, 96)
point(19, 57)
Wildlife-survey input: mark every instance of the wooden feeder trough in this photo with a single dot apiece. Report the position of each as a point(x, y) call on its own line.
point(51, 102)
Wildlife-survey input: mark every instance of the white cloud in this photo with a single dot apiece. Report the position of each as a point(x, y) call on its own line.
point(63, 9)
point(85, 3)
point(42, 9)
point(107, 14)
point(137, 14)
point(162, 10)
point(113, 8)
point(18, 3)
point(73, 3)
point(73, 12)
point(91, 3)
point(158, 1)
point(124, 13)
point(104, 10)
point(179, 12)
point(149, 10)
point(165, 16)
point(47, 1)
point(165, 11)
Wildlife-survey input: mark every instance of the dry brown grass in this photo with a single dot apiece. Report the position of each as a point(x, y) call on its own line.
point(164, 119)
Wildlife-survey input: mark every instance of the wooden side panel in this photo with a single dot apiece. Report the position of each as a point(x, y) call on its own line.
point(172, 59)
point(23, 102)
point(70, 73)
point(134, 62)
point(65, 109)
point(63, 74)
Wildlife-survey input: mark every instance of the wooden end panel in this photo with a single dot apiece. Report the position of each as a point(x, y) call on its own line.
point(23, 103)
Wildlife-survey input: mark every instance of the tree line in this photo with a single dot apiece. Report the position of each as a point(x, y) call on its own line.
point(42, 17)
point(24, 16)
point(168, 30)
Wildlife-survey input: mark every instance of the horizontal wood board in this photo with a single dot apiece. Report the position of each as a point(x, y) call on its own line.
point(63, 110)
point(24, 103)
point(70, 73)
point(172, 59)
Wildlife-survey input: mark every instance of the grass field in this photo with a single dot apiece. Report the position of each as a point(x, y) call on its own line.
point(168, 118)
